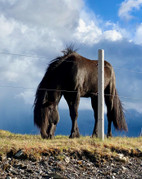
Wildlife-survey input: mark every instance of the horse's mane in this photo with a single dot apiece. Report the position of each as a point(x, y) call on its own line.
point(58, 60)
point(41, 90)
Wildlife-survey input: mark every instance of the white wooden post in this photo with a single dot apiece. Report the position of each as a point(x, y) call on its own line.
point(101, 94)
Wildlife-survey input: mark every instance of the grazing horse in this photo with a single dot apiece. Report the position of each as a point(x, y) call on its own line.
point(74, 76)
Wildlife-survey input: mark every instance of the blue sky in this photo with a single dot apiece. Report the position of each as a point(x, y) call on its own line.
point(105, 9)
point(37, 31)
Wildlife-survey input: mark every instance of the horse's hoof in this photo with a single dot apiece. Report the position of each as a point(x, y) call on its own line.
point(94, 136)
point(44, 136)
point(109, 135)
point(51, 136)
point(74, 135)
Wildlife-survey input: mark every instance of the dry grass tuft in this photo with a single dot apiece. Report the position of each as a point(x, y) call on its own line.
point(35, 146)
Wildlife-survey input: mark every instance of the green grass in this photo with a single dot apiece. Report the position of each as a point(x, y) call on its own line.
point(36, 146)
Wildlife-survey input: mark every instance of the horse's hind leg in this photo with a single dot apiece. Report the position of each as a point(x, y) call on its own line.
point(109, 102)
point(94, 102)
point(73, 103)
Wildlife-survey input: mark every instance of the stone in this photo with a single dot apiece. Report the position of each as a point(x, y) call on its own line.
point(124, 168)
point(121, 158)
point(0, 157)
point(19, 154)
point(61, 166)
point(8, 177)
point(67, 160)
point(12, 168)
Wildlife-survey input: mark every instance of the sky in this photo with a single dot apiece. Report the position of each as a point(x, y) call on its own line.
point(33, 32)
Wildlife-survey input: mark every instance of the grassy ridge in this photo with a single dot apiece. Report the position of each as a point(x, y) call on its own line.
point(36, 146)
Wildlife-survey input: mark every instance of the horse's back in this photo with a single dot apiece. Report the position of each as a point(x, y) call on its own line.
point(77, 73)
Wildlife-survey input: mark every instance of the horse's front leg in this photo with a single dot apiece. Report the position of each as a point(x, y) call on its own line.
point(73, 103)
point(54, 118)
point(51, 132)
point(43, 130)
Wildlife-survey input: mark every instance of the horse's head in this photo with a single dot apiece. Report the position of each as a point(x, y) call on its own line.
point(46, 117)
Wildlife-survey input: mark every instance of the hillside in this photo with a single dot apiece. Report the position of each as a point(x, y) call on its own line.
point(29, 155)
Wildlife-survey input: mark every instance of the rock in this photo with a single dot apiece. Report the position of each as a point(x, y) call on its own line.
point(56, 176)
point(124, 168)
point(79, 162)
point(61, 166)
point(29, 171)
point(70, 167)
point(8, 177)
point(121, 158)
point(0, 157)
point(67, 160)
point(20, 166)
point(115, 170)
point(20, 155)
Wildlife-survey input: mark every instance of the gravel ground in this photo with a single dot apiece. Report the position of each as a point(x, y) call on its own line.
point(67, 165)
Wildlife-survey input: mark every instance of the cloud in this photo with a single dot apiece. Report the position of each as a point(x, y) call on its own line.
point(91, 33)
point(43, 29)
point(112, 35)
point(92, 30)
point(127, 7)
point(41, 14)
point(54, 17)
point(133, 106)
point(88, 33)
point(138, 35)
point(27, 95)
point(32, 27)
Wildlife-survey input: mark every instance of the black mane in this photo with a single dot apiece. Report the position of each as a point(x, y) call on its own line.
point(58, 60)
point(41, 90)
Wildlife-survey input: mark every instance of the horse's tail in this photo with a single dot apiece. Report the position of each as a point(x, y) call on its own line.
point(115, 111)
point(118, 114)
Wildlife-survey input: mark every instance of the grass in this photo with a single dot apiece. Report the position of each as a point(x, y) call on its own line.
point(36, 146)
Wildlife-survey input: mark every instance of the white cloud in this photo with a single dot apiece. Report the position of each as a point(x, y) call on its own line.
point(88, 33)
point(6, 28)
point(32, 27)
point(133, 105)
point(48, 14)
point(112, 35)
point(127, 7)
point(91, 30)
point(138, 35)
point(27, 96)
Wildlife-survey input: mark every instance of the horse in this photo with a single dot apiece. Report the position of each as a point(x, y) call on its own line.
point(74, 76)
